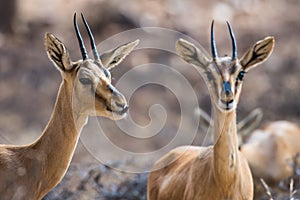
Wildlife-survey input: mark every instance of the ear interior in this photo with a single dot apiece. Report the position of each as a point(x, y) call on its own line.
point(191, 54)
point(57, 52)
point(117, 55)
point(258, 53)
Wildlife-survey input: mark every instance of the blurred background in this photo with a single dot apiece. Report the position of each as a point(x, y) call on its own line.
point(29, 82)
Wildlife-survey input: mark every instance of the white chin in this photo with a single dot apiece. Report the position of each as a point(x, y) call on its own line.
point(227, 107)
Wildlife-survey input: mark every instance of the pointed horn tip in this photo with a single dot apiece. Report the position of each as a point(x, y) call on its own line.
point(229, 26)
point(82, 16)
point(84, 21)
point(213, 42)
point(234, 47)
point(79, 38)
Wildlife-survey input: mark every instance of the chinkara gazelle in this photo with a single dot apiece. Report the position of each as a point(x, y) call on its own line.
point(31, 171)
point(219, 171)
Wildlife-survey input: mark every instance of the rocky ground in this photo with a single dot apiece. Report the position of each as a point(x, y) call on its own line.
point(103, 183)
point(99, 182)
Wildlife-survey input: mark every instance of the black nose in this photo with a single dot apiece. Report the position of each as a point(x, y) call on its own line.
point(124, 108)
point(226, 87)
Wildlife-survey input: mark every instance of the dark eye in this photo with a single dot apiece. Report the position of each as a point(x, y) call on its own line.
point(240, 76)
point(85, 81)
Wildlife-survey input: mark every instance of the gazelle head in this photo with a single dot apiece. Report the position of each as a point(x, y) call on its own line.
point(90, 79)
point(224, 75)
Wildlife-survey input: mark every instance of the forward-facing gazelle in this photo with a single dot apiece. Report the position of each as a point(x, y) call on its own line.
point(219, 171)
point(30, 171)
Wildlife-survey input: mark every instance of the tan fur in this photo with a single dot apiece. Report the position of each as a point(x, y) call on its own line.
point(31, 171)
point(219, 171)
point(244, 128)
point(214, 172)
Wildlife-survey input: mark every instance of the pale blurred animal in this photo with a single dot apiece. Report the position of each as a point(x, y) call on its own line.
point(271, 151)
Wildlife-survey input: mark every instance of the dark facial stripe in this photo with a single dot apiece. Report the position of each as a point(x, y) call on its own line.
point(232, 70)
point(102, 99)
point(211, 80)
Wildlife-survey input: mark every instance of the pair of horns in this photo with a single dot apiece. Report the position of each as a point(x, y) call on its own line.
point(81, 44)
point(96, 55)
point(213, 42)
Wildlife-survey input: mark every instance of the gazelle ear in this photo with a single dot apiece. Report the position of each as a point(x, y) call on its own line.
point(258, 53)
point(115, 56)
point(191, 54)
point(57, 53)
point(249, 124)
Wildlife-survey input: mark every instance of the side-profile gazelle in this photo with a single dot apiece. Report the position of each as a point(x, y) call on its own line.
point(31, 171)
point(219, 171)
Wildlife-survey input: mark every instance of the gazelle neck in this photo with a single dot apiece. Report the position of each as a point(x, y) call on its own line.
point(60, 137)
point(226, 144)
